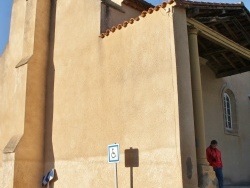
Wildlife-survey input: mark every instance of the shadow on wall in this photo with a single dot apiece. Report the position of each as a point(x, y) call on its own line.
point(131, 161)
point(48, 150)
point(189, 167)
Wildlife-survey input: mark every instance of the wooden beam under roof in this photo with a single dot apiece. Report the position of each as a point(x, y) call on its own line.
point(214, 52)
point(233, 72)
point(240, 60)
point(228, 60)
point(216, 60)
point(218, 38)
point(213, 19)
point(242, 29)
point(230, 31)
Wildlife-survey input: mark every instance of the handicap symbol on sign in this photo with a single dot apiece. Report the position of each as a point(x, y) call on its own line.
point(113, 153)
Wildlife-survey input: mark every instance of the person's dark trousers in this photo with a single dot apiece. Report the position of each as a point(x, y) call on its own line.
point(219, 175)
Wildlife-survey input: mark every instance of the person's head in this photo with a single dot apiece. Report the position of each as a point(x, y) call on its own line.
point(213, 143)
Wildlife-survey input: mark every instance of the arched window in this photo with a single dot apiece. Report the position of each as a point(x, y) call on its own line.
point(230, 115)
point(227, 111)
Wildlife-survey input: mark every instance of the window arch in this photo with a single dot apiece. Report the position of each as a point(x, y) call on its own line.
point(229, 111)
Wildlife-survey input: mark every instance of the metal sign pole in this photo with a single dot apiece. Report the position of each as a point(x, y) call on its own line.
point(131, 177)
point(116, 179)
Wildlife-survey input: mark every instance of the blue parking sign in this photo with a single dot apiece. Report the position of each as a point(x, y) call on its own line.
point(113, 153)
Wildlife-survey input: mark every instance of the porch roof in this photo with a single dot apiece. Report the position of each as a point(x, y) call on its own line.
point(231, 20)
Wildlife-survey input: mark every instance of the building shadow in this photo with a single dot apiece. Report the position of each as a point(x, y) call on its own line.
point(49, 159)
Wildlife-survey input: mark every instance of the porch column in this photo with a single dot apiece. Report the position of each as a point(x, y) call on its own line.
point(206, 176)
point(197, 97)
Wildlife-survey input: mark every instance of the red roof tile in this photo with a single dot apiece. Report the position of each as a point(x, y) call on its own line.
point(181, 3)
point(133, 20)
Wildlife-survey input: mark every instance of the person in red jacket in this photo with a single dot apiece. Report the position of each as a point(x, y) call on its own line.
point(214, 159)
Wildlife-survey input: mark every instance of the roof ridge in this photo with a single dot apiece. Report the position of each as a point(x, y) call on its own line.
point(132, 20)
point(182, 2)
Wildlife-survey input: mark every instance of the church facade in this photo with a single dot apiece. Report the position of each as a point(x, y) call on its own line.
point(163, 81)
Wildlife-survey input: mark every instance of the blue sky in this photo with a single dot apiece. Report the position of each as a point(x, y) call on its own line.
point(5, 13)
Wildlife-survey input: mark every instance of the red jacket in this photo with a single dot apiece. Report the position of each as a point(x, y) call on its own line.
point(214, 157)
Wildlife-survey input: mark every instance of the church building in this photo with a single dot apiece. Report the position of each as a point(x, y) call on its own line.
point(85, 81)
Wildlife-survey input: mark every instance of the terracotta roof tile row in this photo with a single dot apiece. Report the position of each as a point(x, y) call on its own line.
point(132, 20)
point(181, 3)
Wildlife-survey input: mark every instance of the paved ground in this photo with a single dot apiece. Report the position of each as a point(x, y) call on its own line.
point(237, 186)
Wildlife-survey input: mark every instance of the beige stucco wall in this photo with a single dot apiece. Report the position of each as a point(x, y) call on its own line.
point(23, 79)
point(12, 92)
point(235, 148)
point(122, 89)
point(141, 93)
